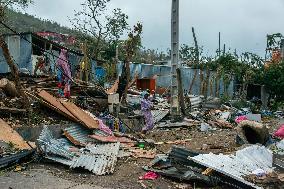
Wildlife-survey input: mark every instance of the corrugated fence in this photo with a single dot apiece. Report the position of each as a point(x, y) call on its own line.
point(163, 74)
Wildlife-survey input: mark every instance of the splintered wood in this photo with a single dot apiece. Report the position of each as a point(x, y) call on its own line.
point(9, 135)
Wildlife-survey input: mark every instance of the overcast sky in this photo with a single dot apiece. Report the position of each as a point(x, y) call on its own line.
point(243, 24)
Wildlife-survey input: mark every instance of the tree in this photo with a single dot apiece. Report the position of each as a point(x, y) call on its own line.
point(273, 79)
point(4, 4)
point(130, 48)
point(93, 21)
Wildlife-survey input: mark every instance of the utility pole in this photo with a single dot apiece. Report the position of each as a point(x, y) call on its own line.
point(175, 110)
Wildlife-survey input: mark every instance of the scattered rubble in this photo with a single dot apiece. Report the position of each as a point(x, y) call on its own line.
point(200, 147)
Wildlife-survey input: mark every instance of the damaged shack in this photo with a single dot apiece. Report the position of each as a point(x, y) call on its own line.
point(28, 48)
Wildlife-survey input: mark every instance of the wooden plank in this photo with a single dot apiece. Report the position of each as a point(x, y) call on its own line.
point(56, 105)
point(9, 135)
point(82, 116)
point(114, 88)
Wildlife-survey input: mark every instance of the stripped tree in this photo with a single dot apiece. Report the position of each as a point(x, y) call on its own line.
point(4, 5)
point(130, 48)
point(196, 61)
point(103, 28)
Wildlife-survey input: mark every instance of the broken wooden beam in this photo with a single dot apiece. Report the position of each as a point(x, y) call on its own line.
point(4, 110)
point(9, 135)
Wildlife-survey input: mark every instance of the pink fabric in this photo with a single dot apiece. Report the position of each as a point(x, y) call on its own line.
point(280, 132)
point(63, 64)
point(104, 128)
point(240, 119)
point(149, 176)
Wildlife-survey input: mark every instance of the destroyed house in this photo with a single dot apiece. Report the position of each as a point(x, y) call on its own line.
point(26, 48)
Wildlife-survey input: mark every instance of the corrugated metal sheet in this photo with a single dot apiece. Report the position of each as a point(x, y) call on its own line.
point(78, 135)
point(49, 145)
point(101, 160)
point(97, 158)
point(187, 73)
point(237, 166)
point(195, 101)
point(158, 115)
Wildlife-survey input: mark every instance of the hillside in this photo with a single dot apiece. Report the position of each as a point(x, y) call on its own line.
point(27, 23)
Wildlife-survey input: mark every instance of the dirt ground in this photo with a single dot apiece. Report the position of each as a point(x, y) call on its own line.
point(129, 169)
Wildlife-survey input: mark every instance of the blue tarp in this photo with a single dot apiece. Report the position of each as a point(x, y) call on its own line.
point(100, 73)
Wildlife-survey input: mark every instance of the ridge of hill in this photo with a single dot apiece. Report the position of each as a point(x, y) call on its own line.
point(23, 22)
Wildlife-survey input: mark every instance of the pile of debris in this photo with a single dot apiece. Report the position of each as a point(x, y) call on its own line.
point(233, 170)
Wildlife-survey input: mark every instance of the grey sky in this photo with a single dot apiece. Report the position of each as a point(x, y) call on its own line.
point(243, 23)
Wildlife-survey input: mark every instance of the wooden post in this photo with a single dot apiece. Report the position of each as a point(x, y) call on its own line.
point(196, 58)
point(264, 97)
point(180, 92)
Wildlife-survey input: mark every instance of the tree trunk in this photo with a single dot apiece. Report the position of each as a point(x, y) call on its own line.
point(196, 47)
point(201, 82)
point(180, 92)
point(217, 86)
point(13, 68)
point(14, 71)
point(205, 86)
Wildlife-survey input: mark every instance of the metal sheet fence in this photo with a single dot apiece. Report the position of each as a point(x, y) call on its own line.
point(163, 74)
point(21, 52)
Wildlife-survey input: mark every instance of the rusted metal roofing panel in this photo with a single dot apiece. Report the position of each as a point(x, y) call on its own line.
point(101, 160)
point(7, 134)
point(78, 135)
point(56, 104)
point(85, 118)
point(240, 165)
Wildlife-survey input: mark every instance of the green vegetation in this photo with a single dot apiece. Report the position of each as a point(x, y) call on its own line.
point(27, 23)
